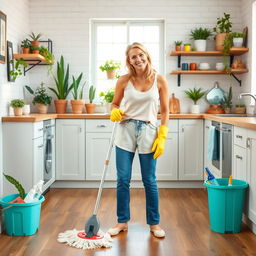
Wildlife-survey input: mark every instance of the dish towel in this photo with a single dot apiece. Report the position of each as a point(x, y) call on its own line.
point(213, 144)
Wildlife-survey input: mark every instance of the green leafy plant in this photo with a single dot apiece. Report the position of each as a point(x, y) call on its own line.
point(227, 99)
point(186, 44)
point(223, 24)
point(25, 43)
point(61, 81)
point(195, 94)
point(17, 103)
point(16, 184)
point(240, 105)
point(200, 33)
point(110, 65)
point(108, 96)
point(75, 85)
point(35, 37)
point(178, 43)
point(238, 35)
point(35, 48)
point(18, 63)
point(40, 95)
point(92, 90)
point(49, 57)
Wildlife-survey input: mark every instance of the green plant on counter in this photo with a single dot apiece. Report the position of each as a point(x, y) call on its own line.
point(238, 35)
point(227, 99)
point(61, 80)
point(92, 90)
point(18, 63)
point(16, 184)
point(110, 65)
point(25, 43)
point(240, 105)
point(18, 103)
point(75, 85)
point(195, 94)
point(200, 33)
point(40, 95)
point(108, 96)
point(178, 43)
point(223, 24)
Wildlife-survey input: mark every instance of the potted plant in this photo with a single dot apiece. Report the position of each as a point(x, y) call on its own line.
point(17, 105)
point(240, 109)
point(17, 68)
point(49, 57)
point(77, 103)
point(41, 98)
point(195, 95)
point(178, 45)
point(110, 67)
point(200, 35)
point(35, 39)
point(187, 47)
point(62, 88)
point(107, 97)
point(222, 28)
point(238, 39)
point(25, 45)
point(227, 101)
point(35, 50)
point(90, 106)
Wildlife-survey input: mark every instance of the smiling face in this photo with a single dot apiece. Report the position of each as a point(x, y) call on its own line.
point(138, 59)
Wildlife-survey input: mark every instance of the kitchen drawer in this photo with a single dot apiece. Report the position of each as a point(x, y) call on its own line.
point(38, 129)
point(99, 125)
point(240, 136)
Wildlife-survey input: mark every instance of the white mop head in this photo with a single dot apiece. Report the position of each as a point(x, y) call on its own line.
point(71, 238)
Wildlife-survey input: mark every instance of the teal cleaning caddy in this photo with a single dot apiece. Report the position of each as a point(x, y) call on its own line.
point(21, 219)
point(226, 205)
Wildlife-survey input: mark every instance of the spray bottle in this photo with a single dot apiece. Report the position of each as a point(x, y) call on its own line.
point(211, 177)
point(34, 193)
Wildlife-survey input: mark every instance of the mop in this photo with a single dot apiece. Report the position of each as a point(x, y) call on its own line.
point(92, 237)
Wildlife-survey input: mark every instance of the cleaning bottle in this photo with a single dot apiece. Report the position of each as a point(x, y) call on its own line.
point(30, 195)
point(230, 181)
point(38, 190)
point(211, 177)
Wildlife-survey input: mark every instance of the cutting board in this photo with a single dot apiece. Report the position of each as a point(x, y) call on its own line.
point(174, 105)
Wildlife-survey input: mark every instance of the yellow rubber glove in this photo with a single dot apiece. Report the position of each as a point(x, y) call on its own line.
point(158, 146)
point(116, 115)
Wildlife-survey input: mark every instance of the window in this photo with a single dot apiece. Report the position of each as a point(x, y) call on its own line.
point(110, 39)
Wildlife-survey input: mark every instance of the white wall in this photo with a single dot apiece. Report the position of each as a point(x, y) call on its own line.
point(67, 24)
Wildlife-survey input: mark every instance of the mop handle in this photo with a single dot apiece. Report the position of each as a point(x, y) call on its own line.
point(106, 164)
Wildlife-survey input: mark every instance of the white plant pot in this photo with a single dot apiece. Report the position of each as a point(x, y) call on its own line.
point(238, 41)
point(195, 109)
point(200, 45)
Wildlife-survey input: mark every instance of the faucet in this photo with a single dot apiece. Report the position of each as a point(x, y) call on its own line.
point(246, 94)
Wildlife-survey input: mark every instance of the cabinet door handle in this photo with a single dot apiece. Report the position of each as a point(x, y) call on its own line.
point(40, 146)
point(239, 157)
point(41, 129)
point(239, 136)
point(101, 125)
point(248, 143)
point(80, 129)
point(207, 127)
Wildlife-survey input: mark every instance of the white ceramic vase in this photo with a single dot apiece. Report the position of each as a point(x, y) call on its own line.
point(238, 41)
point(195, 109)
point(200, 45)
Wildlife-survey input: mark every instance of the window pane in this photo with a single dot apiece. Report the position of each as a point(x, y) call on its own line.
point(136, 34)
point(119, 34)
point(104, 34)
point(151, 34)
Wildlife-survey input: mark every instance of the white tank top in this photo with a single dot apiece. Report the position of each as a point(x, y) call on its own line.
point(139, 105)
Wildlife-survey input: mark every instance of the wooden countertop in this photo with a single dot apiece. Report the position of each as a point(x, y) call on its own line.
point(246, 122)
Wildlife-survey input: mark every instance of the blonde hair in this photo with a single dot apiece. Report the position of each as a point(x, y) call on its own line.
point(131, 70)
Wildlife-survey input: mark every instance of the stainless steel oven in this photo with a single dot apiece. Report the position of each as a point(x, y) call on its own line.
point(223, 162)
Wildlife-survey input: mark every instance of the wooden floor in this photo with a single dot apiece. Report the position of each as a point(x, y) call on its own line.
point(184, 216)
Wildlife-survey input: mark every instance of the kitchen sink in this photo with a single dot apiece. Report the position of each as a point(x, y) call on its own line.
point(235, 115)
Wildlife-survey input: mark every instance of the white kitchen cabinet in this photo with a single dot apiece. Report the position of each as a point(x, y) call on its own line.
point(23, 154)
point(70, 149)
point(191, 149)
point(239, 163)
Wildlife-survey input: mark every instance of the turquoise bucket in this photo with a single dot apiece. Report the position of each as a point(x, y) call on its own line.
point(226, 205)
point(21, 219)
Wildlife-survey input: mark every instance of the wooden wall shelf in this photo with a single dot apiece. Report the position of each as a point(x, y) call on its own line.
point(30, 58)
point(208, 72)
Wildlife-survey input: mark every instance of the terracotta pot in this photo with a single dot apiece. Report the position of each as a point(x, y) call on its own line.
point(177, 47)
point(77, 106)
point(25, 50)
point(42, 108)
point(111, 74)
point(90, 108)
point(60, 106)
point(35, 51)
point(35, 43)
point(17, 111)
point(240, 110)
point(227, 110)
point(219, 41)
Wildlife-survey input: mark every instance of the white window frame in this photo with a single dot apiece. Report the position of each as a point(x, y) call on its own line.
point(99, 22)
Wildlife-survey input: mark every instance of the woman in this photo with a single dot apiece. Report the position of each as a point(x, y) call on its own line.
point(141, 90)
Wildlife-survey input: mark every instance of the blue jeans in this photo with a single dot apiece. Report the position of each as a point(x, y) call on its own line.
point(124, 161)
